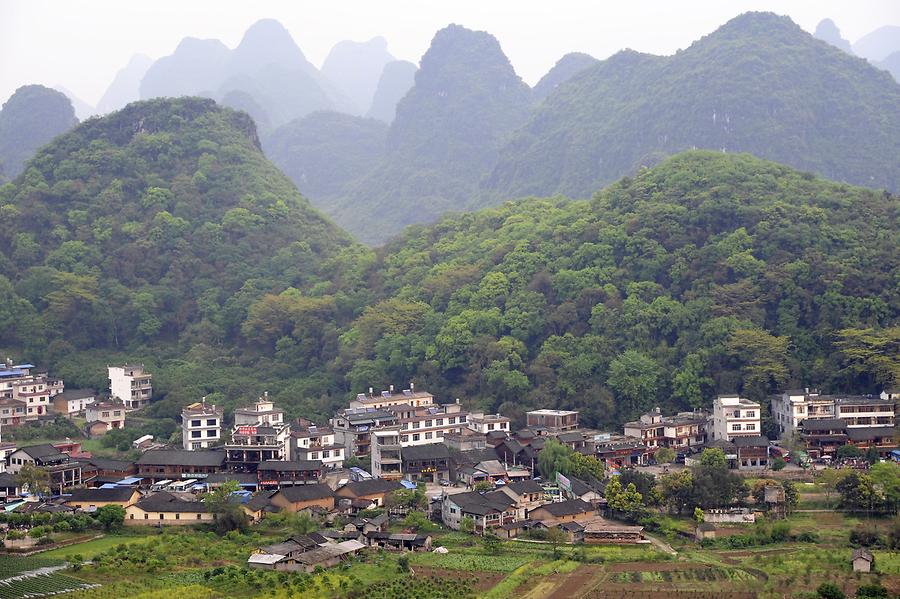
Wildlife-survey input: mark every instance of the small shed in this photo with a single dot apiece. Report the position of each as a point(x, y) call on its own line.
point(705, 530)
point(863, 560)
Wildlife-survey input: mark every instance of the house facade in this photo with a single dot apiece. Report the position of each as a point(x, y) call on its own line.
point(679, 432)
point(316, 443)
point(201, 425)
point(131, 385)
point(734, 416)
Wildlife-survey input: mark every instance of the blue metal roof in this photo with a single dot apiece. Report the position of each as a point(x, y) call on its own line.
point(12, 372)
point(131, 480)
point(408, 484)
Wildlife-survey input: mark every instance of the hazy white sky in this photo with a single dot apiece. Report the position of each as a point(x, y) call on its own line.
point(80, 44)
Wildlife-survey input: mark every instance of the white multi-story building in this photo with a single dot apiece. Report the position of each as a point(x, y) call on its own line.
point(316, 443)
point(865, 411)
point(72, 402)
point(734, 416)
point(485, 423)
point(34, 391)
point(428, 424)
point(131, 385)
point(678, 432)
point(201, 425)
point(794, 406)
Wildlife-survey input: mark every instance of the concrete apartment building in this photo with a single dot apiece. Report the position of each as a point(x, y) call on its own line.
point(794, 406)
point(131, 385)
point(864, 411)
point(681, 431)
point(485, 423)
point(390, 398)
point(309, 442)
point(101, 417)
point(263, 412)
point(73, 402)
point(386, 460)
point(201, 425)
point(428, 424)
point(34, 391)
point(554, 421)
point(734, 416)
point(353, 428)
point(260, 434)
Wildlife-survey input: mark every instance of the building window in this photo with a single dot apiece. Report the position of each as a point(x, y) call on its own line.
point(195, 434)
point(404, 438)
point(198, 516)
point(211, 422)
point(751, 414)
point(178, 516)
point(416, 437)
point(490, 427)
point(314, 455)
point(146, 516)
point(735, 427)
point(427, 435)
point(751, 427)
point(195, 423)
point(210, 433)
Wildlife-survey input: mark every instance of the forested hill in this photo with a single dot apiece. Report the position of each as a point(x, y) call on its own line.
point(709, 273)
point(758, 84)
point(30, 118)
point(158, 223)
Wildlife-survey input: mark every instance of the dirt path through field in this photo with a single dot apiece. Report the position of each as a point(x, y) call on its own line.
point(577, 583)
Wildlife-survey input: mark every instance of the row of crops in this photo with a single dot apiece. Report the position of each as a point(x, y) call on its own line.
point(12, 565)
point(39, 586)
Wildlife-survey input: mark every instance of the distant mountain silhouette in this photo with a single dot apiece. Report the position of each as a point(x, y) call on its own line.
point(879, 44)
point(31, 117)
point(565, 68)
point(758, 84)
point(827, 31)
point(466, 99)
point(396, 79)
point(325, 151)
point(891, 64)
point(83, 110)
point(196, 65)
point(355, 68)
point(126, 85)
point(267, 65)
point(241, 100)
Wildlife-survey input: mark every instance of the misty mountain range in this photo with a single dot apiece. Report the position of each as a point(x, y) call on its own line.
point(379, 143)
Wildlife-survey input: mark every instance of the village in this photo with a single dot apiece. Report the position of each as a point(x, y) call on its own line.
point(397, 473)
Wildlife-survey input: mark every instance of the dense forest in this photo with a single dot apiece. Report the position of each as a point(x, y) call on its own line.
point(166, 237)
point(469, 134)
point(757, 84)
point(160, 225)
